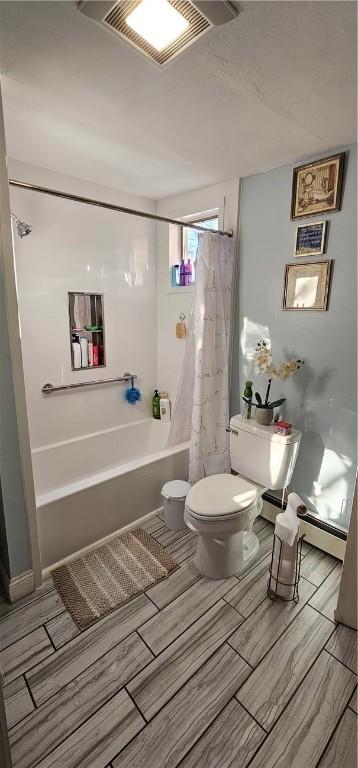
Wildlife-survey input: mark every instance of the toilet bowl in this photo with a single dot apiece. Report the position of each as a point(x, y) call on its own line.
point(221, 510)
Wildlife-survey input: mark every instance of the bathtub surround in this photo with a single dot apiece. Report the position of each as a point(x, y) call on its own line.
point(322, 399)
point(81, 248)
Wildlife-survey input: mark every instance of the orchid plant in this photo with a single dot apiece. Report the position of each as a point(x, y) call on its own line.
point(265, 367)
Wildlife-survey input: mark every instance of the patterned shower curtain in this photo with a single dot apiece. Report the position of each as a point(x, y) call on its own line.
point(201, 413)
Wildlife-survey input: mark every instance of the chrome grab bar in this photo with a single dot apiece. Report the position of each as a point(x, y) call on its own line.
point(48, 389)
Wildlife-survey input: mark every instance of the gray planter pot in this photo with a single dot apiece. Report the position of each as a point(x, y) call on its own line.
point(264, 416)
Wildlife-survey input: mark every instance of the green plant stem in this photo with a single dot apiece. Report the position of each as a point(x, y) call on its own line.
point(268, 391)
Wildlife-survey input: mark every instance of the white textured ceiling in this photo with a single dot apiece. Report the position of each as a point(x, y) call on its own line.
point(275, 85)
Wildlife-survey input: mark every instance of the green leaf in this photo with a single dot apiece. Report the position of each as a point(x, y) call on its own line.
point(276, 403)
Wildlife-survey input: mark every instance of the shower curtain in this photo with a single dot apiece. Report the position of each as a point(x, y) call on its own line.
point(201, 412)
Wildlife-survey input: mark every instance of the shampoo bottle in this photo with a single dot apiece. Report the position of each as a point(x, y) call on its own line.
point(175, 275)
point(90, 354)
point(164, 406)
point(188, 273)
point(76, 349)
point(156, 405)
point(84, 352)
point(182, 272)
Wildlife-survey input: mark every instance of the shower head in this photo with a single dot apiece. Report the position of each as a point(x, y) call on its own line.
point(23, 229)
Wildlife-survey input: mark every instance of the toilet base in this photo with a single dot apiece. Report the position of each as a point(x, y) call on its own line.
point(219, 558)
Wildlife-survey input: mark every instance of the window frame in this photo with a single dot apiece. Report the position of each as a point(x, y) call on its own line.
point(197, 219)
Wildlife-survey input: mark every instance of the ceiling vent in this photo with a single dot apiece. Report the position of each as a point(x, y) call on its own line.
point(197, 18)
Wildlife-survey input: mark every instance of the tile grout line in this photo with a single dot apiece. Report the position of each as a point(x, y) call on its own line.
point(149, 649)
point(95, 711)
point(196, 740)
point(224, 642)
point(339, 562)
point(331, 736)
point(320, 612)
point(44, 703)
point(134, 631)
point(315, 658)
point(252, 612)
point(152, 601)
point(142, 715)
point(339, 660)
point(124, 688)
point(250, 713)
point(350, 705)
point(27, 634)
point(326, 577)
point(206, 730)
point(34, 599)
point(286, 705)
point(49, 637)
point(280, 638)
point(31, 697)
point(156, 655)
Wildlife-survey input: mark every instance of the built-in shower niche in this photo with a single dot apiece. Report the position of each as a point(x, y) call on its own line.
point(87, 341)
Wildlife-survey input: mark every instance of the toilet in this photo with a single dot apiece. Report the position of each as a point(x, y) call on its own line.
point(221, 509)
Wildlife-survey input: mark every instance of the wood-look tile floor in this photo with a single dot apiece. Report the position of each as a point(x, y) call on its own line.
point(194, 673)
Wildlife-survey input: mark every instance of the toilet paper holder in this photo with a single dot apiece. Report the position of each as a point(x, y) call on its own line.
point(285, 566)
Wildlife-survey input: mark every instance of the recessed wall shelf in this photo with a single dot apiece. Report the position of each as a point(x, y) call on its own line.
point(87, 339)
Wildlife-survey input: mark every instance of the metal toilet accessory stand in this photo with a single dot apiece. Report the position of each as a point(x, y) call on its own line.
point(285, 565)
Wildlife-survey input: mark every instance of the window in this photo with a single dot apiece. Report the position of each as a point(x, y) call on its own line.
point(190, 238)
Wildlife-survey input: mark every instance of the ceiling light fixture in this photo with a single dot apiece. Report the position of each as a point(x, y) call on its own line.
point(160, 29)
point(157, 22)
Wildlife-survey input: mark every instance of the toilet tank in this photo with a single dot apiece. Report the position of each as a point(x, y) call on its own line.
point(262, 455)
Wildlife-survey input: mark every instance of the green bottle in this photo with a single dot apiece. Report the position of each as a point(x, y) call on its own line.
point(156, 405)
point(247, 398)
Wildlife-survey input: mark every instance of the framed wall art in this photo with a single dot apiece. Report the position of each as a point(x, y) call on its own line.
point(306, 286)
point(317, 187)
point(310, 239)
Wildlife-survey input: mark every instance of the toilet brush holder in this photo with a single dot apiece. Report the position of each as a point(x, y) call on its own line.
point(285, 569)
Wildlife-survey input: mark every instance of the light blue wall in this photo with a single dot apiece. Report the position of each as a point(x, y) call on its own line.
point(322, 397)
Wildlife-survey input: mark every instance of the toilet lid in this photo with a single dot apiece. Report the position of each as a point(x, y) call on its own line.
point(219, 495)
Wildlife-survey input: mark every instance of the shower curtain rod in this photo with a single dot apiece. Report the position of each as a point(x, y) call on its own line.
point(112, 207)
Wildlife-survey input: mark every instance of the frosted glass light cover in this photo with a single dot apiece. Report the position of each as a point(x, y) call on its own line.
point(157, 22)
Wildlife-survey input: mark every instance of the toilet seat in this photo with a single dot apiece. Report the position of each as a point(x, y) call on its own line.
point(221, 497)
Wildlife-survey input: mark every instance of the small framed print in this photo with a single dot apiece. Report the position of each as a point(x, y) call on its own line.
point(317, 187)
point(310, 239)
point(306, 286)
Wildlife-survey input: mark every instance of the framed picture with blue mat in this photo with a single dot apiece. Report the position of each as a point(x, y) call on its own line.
point(310, 239)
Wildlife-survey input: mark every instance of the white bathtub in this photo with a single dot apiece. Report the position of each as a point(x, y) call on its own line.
point(88, 488)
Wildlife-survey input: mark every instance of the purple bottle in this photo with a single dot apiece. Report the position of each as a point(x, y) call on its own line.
point(182, 274)
point(188, 273)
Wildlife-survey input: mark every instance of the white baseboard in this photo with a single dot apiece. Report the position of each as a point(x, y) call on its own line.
point(313, 535)
point(18, 586)
point(46, 571)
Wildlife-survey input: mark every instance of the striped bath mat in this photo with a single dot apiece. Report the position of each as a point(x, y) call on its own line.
point(93, 585)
